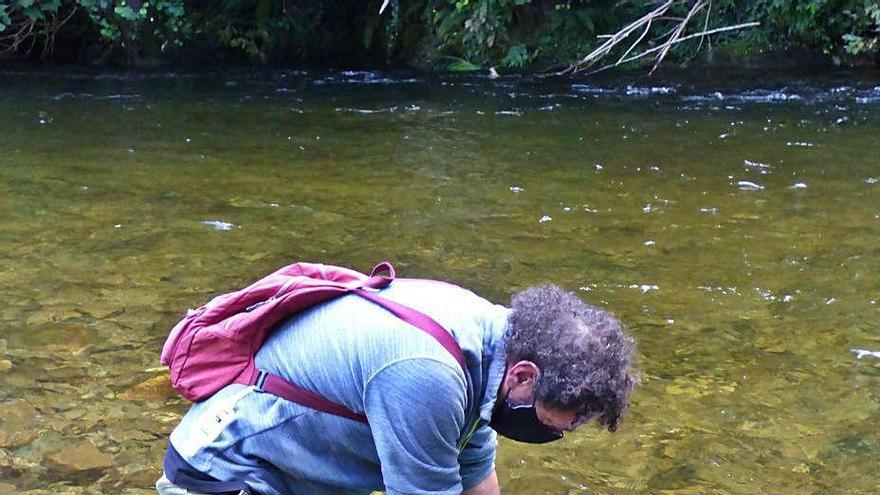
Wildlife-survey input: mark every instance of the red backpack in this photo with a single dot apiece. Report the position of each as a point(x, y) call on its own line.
point(215, 345)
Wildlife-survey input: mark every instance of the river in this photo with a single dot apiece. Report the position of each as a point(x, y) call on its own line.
point(733, 225)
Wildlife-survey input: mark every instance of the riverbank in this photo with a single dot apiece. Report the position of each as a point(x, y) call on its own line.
point(441, 36)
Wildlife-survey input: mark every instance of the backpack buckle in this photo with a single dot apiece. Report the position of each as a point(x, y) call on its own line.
point(261, 379)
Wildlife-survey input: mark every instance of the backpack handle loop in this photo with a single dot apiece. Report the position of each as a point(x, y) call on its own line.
point(377, 280)
point(384, 267)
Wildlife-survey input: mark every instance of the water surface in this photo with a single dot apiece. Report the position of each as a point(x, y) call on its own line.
point(732, 225)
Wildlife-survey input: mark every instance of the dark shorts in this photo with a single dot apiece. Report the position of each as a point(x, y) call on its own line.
point(165, 487)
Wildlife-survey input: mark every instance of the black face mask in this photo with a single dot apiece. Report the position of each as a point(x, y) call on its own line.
point(521, 423)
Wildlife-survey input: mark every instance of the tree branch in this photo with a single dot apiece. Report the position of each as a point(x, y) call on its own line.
point(677, 34)
point(645, 23)
point(680, 40)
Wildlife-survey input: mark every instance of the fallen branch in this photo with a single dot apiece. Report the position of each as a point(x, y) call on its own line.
point(677, 34)
point(705, 27)
point(657, 48)
point(646, 23)
point(28, 30)
point(636, 42)
point(614, 39)
point(11, 42)
point(692, 36)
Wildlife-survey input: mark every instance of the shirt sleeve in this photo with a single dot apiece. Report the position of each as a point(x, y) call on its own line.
point(478, 457)
point(416, 411)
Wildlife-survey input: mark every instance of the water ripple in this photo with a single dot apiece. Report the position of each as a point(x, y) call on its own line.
point(860, 353)
point(746, 185)
point(219, 225)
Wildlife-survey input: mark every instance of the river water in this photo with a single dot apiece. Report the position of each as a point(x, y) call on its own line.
point(732, 224)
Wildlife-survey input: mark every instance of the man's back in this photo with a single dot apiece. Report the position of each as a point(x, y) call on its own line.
point(353, 352)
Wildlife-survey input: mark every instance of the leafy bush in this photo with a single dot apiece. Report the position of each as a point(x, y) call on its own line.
point(25, 24)
point(832, 27)
point(865, 38)
point(511, 34)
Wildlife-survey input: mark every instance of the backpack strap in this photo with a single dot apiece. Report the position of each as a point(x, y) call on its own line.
point(421, 321)
point(280, 387)
point(275, 385)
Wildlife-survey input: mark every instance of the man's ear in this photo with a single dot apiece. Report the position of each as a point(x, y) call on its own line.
point(520, 380)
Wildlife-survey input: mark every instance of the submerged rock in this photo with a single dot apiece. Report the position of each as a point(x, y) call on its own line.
point(53, 338)
point(13, 466)
point(6, 465)
point(17, 438)
point(80, 460)
point(17, 424)
point(156, 389)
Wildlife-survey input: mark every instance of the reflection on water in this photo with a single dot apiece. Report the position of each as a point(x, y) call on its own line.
point(734, 227)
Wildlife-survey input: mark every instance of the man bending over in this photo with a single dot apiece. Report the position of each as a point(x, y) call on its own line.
point(545, 366)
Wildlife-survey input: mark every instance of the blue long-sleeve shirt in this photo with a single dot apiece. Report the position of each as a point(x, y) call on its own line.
point(419, 404)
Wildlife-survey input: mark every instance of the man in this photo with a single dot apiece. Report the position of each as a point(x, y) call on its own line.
point(547, 365)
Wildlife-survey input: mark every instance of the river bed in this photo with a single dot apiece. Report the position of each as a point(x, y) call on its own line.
point(733, 226)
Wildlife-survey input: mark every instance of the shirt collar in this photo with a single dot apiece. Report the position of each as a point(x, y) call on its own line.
point(494, 350)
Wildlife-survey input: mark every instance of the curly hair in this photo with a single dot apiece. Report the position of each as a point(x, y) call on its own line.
point(583, 353)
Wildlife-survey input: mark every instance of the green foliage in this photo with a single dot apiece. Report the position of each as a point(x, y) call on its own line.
point(513, 33)
point(865, 38)
point(517, 56)
point(255, 28)
point(833, 27)
point(24, 22)
point(127, 21)
point(458, 64)
point(122, 23)
point(453, 34)
point(571, 28)
point(5, 20)
point(26, 10)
